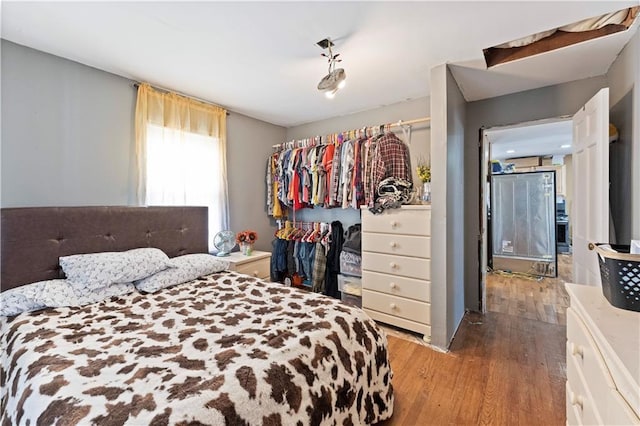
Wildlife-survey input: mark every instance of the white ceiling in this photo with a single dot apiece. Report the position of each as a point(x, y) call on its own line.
point(260, 58)
point(534, 139)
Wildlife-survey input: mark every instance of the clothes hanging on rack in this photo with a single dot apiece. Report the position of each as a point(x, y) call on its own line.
point(299, 255)
point(390, 158)
point(333, 260)
point(343, 172)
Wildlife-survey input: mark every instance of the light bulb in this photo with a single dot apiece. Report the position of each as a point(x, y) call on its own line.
point(331, 94)
point(342, 84)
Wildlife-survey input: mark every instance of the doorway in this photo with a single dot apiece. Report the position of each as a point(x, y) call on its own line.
point(527, 195)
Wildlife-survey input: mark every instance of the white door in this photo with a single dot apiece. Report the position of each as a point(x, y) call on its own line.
point(591, 186)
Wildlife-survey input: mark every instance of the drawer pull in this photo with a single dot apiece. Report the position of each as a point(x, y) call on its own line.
point(393, 306)
point(576, 400)
point(393, 286)
point(394, 245)
point(255, 273)
point(577, 350)
point(393, 265)
point(394, 224)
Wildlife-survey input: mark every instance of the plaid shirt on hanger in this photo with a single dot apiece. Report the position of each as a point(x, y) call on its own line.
point(390, 159)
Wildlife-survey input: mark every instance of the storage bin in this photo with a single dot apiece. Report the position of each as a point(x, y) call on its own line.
point(352, 300)
point(350, 285)
point(350, 264)
point(620, 273)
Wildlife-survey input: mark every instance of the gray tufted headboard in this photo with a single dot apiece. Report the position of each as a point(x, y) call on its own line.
point(33, 238)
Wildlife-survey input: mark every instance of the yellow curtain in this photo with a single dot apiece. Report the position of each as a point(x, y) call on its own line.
point(181, 113)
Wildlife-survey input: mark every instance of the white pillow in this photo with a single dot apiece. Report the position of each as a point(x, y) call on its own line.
point(102, 293)
point(88, 272)
point(184, 268)
point(22, 299)
point(54, 294)
point(38, 295)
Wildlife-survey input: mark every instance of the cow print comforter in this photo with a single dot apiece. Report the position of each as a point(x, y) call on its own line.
point(223, 349)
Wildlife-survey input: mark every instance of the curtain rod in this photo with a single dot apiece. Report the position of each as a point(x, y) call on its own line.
point(399, 123)
point(137, 84)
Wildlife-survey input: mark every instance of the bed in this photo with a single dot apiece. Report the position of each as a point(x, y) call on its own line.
point(225, 348)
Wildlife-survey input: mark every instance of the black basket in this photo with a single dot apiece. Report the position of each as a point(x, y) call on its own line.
point(620, 273)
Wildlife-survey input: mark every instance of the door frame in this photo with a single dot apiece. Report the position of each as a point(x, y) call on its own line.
point(485, 194)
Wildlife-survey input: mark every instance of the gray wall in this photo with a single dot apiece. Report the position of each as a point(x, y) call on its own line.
point(448, 111)
point(67, 132)
point(419, 146)
point(623, 78)
point(456, 118)
point(248, 148)
point(547, 102)
point(68, 139)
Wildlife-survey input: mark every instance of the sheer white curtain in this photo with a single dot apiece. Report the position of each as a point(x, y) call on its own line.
point(181, 153)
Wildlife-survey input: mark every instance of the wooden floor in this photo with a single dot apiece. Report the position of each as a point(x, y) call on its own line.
point(506, 367)
point(528, 297)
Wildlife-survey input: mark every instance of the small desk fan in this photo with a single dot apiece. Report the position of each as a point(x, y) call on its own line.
point(224, 241)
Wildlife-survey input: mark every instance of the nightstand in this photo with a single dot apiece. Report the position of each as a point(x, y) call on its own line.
point(257, 265)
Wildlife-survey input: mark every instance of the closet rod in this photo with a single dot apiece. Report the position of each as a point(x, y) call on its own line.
point(399, 123)
point(162, 89)
point(410, 122)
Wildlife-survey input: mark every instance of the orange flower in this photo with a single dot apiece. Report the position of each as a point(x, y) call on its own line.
point(247, 236)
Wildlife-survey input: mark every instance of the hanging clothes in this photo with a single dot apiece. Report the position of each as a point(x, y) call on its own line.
point(346, 174)
point(333, 260)
point(339, 173)
point(327, 166)
point(334, 181)
point(319, 267)
point(390, 159)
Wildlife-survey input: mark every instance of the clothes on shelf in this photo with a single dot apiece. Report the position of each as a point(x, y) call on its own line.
point(340, 171)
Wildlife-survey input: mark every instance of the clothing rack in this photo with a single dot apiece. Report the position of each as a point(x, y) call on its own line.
point(364, 131)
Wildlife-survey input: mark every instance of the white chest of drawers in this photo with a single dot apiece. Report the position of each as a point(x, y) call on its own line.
point(603, 360)
point(396, 267)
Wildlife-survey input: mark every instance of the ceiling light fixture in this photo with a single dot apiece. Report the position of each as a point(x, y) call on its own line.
point(335, 79)
point(511, 151)
point(565, 146)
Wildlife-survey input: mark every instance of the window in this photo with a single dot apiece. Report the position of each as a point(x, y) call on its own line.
point(180, 146)
point(181, 171)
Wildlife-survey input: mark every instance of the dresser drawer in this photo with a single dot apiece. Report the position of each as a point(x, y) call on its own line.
point(398, 221)
point(397, 306)
point(412, 267)
point(401, 245)
point(259, 268)
point(583, 350)
point(618, 411)
point(578, 396)
point(574, 412)
point(424, 329)
point(398, 286)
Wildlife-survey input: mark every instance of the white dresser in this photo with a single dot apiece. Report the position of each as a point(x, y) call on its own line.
point(603, 360)
point(396, 267)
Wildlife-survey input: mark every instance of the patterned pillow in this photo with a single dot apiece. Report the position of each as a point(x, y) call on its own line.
point(54, 294)
point(185, 268)
point(88, 272)
point(102, 293)
point(36, 296)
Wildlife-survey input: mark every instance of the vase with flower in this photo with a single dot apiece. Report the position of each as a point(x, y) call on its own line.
point(246, 240)
point(424, 173)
